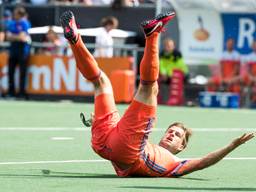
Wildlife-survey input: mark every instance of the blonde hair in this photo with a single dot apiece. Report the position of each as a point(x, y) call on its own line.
point(188, 132)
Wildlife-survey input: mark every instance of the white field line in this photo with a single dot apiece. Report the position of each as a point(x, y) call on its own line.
point(62, 138)
point(97, 161)
point(43, 129)
point(53, 162)
point(88, 129)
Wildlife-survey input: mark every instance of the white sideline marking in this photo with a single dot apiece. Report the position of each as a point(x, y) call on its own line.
point(62, 138)
point(53, 162)
point(230, 158)
point(43, 129)
point(222, 129)
point(97, 161)
point(240, 158)
point(88, 129)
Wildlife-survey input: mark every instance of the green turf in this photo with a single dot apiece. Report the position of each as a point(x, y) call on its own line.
point(27, 146)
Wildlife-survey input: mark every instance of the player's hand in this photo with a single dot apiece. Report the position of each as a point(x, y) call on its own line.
point(243, 139)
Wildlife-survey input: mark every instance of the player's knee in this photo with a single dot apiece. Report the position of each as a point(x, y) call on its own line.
point(156, 89)
point(151, 89)
point(102, 81)
point(102, 85)
point(147, 94)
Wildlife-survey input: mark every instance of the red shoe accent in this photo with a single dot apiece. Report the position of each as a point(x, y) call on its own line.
point(157, 24)
point(68, 23)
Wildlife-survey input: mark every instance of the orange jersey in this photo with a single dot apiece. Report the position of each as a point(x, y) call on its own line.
point(154, 161)
point(230, 68)
point(252, 68)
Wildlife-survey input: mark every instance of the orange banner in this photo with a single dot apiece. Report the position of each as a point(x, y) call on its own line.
point(58, 75)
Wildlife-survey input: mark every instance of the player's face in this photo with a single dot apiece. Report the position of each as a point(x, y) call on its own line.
point(173, 140)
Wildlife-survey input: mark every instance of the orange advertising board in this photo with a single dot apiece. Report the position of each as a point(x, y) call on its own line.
point(58, 75)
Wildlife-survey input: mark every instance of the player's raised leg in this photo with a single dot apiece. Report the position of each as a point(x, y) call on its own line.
point(149, 66)
point(87, 65)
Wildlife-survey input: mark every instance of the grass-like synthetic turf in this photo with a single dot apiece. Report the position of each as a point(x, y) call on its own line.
point(38, 140)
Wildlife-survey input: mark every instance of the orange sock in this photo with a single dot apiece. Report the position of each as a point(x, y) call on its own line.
point(86, 63)
point(149, 65)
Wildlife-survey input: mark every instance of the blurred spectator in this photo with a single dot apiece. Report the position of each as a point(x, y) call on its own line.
point(5, 22)
point(2, 34)
point(252, 56)
point(230, 54)
point(229, 79)
point(104, 41)
point(118, 4)
point(17, 34)
point(7, 18)
point(250, 74)
point(86, 2)
point(170, 60)
point(54, 43)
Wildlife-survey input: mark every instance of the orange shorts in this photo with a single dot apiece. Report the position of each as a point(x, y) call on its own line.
point(123, 140)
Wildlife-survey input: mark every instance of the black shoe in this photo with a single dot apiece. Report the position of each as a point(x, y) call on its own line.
point(157, 24)
point(68, 23)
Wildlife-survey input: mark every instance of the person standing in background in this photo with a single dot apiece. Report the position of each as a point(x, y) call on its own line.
point(17, 34)
point(251, 57)
point(230, 68)
point(104, 41)
point(230, 53)
point(249, 76)
point(54, 47)
point(229, 78)
point(170, 61)
point(250, 66)
point(7, 17)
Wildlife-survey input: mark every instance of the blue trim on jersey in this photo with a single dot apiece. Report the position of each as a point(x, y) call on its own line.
point(147, 131)
point(152, 165)
point(174, 172)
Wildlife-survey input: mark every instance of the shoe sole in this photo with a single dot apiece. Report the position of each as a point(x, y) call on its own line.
point(65, 19)
point(165, 15)
point(159, 17)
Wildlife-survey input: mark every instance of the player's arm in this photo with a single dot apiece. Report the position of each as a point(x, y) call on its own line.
point(213, 157)
point(22, 36)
